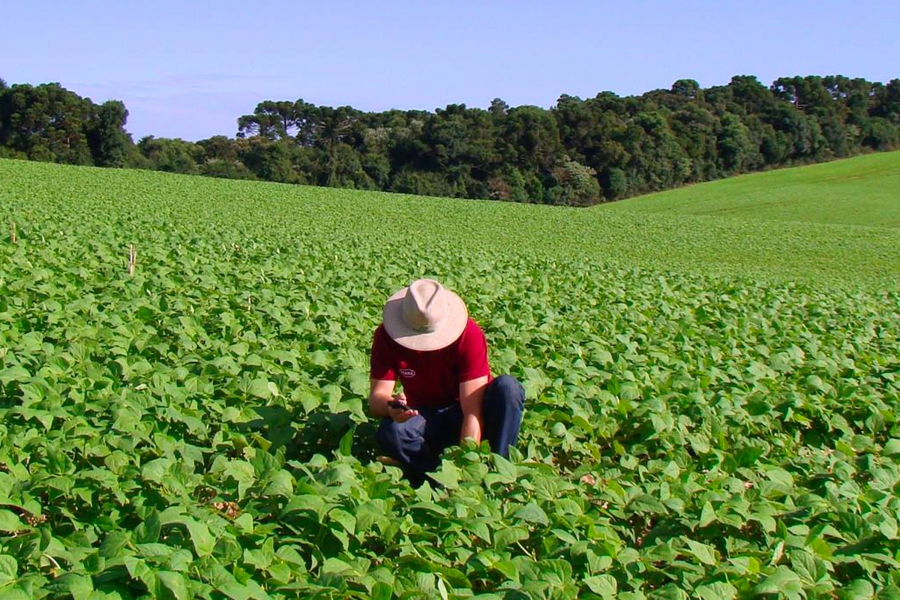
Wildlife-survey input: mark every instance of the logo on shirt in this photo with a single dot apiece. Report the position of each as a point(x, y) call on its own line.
point(407, 373)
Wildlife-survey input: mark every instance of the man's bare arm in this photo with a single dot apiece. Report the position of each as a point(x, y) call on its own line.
point(381, 391)
point(471, 399)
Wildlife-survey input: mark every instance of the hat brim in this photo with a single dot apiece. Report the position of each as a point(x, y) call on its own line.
point(448, 332)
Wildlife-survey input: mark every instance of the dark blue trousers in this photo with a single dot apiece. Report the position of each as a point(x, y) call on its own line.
point(418, 442)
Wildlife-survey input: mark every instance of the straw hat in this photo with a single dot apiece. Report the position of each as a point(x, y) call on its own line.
point(425, 316)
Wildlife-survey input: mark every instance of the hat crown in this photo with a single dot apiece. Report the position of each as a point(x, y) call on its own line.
point(425, 316)
point(425, 306)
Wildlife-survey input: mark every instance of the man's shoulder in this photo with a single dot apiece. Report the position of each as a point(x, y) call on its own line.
point(472, 327)
point(472, 334)
point(381, 340)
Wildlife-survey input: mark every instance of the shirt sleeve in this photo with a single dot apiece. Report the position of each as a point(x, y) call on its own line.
point(381, 365)
point(473, 358)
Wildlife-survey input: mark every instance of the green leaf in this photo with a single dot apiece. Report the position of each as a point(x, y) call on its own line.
point(717, 591)
point(781, 580)
point(149, 530)
point(174, 583)
point(431, 507)
point(9, 569)
point(290, 555)
point(345, 519)
point(783, 480)
point(532, 513)
point(262, 557)
point(260, 388)
point(10, 522)
point(280, 484)
point(16, 373)
point(815, 382)
point(310, 402)
point(507, 568)
point(888, 527)
point(335, 566)
point(505, 469)
point(235, 590)
point(155, 550)
point(113, 543)
point(201, 538)
point(704, 553)
point(707, 515)
point(509, 535)
point(447, 476)
point(804, 565)
point(891, 448)
point(80, 586)
point(645, 503)
point(346, 444)
point(859, 589)
point(382, 591)
point(137, 568)
point(157, 470)
point(603, 357)
point(565, 536)
point(311, 502)
point(244, 523)
point(243, 473)
point(605, 586)
point(672, 470)
point(481, 530)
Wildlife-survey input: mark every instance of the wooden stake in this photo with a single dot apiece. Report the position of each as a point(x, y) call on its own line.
point(132, 259)
point(12, 231)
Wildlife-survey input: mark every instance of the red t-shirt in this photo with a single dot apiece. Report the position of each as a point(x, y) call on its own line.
point(431, 378)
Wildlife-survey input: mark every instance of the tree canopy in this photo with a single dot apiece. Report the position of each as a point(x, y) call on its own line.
point(49, 123)
point(578, 152)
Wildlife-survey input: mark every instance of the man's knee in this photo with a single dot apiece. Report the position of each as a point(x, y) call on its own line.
point(506, 389)
point(401, 439)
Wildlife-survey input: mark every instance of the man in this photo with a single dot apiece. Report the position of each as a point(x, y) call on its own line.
point(439, 355)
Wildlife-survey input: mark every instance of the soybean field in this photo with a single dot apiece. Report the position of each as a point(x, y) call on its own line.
point(712, 377)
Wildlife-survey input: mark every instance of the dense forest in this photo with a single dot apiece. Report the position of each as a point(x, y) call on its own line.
point(579, 152)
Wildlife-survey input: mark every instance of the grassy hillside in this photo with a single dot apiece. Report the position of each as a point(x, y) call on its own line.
point(631, 233)
point(859, 191)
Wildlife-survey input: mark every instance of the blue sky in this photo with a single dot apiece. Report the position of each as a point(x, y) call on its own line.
point(189, 69)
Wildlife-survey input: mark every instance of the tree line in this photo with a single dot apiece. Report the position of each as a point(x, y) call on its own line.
point(579, 152)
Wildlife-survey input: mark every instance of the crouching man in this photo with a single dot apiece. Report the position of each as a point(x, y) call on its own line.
point(439, 355)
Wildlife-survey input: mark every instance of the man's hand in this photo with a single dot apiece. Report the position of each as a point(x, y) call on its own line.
point(401, 415)
point(381, 396)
